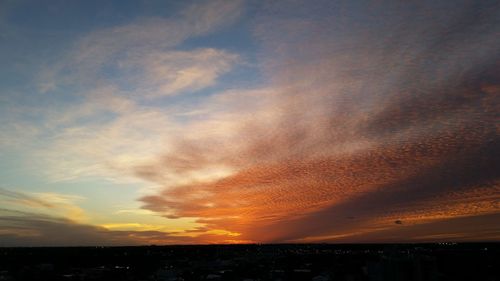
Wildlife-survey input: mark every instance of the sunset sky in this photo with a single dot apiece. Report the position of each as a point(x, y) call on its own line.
point(181, 122)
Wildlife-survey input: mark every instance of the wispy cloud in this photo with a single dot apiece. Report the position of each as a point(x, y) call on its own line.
point(47, 203)
point(110, 48)
point(23, 199)
point(166, 73)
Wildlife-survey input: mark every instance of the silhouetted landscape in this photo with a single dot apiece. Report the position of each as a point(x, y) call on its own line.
point(317, 262)
point(249, 140)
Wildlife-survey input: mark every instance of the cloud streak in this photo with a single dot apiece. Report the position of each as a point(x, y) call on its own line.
point(93, 56)
point(46, 203)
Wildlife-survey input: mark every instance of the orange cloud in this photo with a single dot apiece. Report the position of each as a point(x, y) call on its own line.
point(357, 134)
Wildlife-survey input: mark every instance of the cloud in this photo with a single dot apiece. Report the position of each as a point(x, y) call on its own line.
point(461, 229)
point(107, 129)
point(368, 115)
point(47, 203)
point(166, 73)
point(24, 199)
point(373, 122)
point(105, 148)
point(31, 229)
point(205, 16)
point(52, 219)
point(106, 50)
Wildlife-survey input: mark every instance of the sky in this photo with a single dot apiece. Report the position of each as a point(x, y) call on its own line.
point(197, 122)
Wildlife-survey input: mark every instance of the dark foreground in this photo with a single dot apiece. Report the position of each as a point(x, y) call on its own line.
point(255, 262)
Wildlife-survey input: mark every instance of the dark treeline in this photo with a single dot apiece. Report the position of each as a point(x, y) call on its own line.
point(317, 262)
